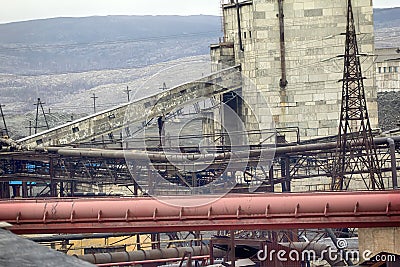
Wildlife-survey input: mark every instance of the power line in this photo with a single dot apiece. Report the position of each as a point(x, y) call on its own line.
point(127, 91)
point(4, 121)
point(40, 104)
point(164, 87)
point(94, 97)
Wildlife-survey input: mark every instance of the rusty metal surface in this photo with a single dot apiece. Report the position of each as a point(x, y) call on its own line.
point(246, 212)
point(146, 255)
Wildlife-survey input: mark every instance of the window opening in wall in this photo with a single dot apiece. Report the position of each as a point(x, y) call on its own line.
point(390, 69)
point(379, 70)
point(384, 69)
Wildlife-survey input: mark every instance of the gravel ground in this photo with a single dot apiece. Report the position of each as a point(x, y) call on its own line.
point(389, 110)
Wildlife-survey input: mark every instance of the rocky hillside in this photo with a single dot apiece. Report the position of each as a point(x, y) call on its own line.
point(389, 110)
point(65, 45)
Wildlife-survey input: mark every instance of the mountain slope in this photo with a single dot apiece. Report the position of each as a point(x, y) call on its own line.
point(62, 45)
point(387, 27)
point(387, 17)
point(104, 28)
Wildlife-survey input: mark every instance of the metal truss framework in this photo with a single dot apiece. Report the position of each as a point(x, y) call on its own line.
point(64, 171)
point(356, 153)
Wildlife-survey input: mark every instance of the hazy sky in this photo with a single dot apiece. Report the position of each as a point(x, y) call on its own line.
point(17, 10)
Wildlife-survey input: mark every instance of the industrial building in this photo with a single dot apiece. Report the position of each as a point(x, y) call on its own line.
point(387, 69)
point(291, 51)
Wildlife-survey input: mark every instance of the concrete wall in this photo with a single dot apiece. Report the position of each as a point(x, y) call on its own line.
point(379, 240)
point(388, 76)
point(313, 30)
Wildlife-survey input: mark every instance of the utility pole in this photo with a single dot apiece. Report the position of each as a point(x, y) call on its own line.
point(94, 97)
point(127, 91)
point(4, 121)
point(164, 87)
point(355, 151)
point(40, 104)
point(30, 128)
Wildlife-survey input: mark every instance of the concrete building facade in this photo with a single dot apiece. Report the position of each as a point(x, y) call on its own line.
point(289, 49)
point(388, 69)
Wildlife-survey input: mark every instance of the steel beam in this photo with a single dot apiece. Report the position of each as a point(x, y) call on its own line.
point(232, 212)
point(392, 148)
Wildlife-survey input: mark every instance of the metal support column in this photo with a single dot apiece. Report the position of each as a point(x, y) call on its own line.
point(392, 148)
point(285, 172)
point(4, 190)
point(24, 189)
point(138, 244)
point(61, 189)
point(271, 178)
point(232, 255)
point(155, 241)
point(53, 184)
point(287, 175)
point(211, 246)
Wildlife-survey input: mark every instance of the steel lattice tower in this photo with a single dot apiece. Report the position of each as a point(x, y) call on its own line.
point(355, 147)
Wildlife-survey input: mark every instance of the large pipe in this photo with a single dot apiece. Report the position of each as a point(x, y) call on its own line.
point(155, 262)
point(55, 238)
point(232, 212)
point(144, 255)
point(163, 157)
